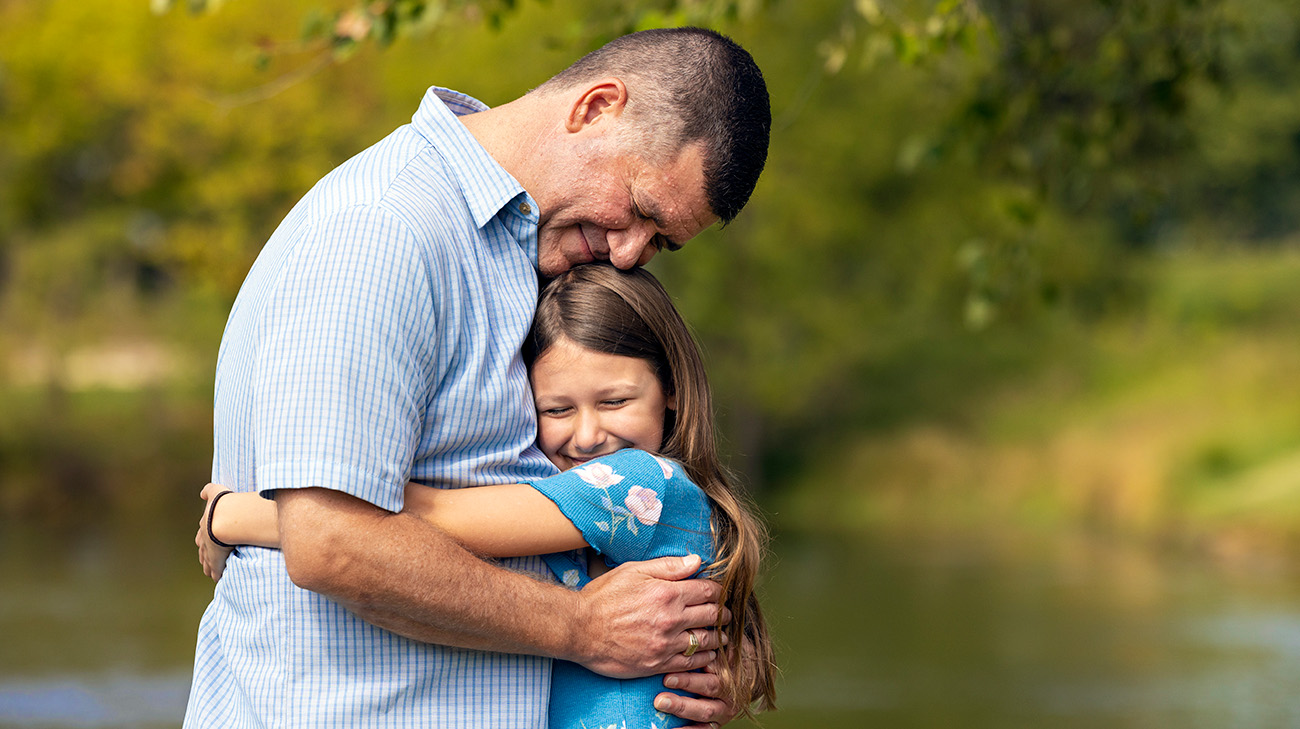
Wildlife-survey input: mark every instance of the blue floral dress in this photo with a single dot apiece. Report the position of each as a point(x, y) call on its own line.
point(629, 506)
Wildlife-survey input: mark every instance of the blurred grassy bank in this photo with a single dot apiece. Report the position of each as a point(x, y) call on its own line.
point(109, 417)
point(1176, 420)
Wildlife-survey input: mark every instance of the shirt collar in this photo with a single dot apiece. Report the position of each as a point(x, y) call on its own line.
point(486, 185)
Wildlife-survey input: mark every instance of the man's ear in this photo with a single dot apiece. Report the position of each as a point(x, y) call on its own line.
point(603, 99)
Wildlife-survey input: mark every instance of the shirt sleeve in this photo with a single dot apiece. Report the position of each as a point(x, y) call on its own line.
point(632, 506)
point(341, 379)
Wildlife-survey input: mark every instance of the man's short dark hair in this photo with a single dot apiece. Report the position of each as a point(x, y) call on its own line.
point(696, 85)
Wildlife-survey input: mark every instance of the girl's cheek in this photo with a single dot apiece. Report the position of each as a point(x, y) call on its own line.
point(548, 436)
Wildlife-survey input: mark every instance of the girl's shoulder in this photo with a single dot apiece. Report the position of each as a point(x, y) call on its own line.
point(633, 460)
point(633, 505)
point(632, 467)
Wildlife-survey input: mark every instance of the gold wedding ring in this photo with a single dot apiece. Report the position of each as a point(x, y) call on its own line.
point(694, 646)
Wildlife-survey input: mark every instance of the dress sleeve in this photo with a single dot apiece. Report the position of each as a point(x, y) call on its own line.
point(632, 506)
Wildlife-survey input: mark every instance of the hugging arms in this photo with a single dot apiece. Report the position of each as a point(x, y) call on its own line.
point(376, 340)
point(599, 398)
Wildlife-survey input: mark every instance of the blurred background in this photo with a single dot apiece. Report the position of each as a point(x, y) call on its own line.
point(1006, 344)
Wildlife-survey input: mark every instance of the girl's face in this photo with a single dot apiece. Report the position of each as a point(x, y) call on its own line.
point(590, 404)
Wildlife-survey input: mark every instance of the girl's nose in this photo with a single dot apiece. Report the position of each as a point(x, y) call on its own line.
point(588, 434)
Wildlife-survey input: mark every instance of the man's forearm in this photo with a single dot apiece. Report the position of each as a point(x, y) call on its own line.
point(399, 572)
point(402, 574)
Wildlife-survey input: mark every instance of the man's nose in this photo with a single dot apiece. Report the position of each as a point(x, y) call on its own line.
point(632, 245)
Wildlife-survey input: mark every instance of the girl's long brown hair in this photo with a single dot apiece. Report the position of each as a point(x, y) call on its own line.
point(629, 314)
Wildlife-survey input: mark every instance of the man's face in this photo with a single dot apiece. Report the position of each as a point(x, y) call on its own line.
point(619, 208)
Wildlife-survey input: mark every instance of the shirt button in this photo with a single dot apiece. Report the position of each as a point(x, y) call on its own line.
point(526, 209)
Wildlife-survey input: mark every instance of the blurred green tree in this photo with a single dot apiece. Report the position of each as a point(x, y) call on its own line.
point(937, 169)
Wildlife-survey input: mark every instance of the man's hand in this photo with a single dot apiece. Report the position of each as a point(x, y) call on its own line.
point(708, 710)
point(633, 620)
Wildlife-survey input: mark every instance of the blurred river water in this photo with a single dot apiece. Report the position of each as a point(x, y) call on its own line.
point(893, 630)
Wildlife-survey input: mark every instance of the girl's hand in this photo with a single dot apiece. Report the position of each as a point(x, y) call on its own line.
point(212, 556)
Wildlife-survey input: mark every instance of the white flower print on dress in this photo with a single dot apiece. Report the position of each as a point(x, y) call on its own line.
point(644, 505)
point(598, 475)
point(665, 465)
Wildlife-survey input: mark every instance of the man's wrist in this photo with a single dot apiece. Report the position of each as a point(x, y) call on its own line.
point(571, 634)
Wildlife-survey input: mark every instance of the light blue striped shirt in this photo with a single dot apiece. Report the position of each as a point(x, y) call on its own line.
point(375, 340)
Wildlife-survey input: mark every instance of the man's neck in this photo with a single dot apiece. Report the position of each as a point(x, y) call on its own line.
point(516, 135)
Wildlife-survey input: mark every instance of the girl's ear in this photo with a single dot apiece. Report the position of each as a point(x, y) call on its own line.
point(670, 418)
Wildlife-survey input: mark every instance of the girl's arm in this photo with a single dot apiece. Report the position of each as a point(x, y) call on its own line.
point(509, 520)
point(244, 518)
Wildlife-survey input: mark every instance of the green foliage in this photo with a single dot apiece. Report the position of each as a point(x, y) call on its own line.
point(873, 32)
point(1088, 102)
point(1245, 182)
point(385, 21)
point(946, 178)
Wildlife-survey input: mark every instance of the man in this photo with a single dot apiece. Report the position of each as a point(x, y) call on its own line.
point(376, 341)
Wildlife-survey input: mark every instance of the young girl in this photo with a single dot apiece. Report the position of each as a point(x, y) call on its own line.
point(624, 409)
